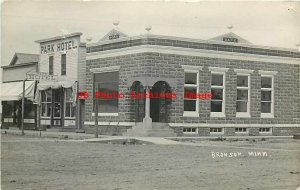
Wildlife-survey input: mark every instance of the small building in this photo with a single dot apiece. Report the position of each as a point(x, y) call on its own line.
point(254, 89)
point(61, 62)
point(12, 91)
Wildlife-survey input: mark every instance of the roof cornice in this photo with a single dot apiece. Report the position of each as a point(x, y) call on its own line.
point(59, 37)
point(19, 65)
point(146, 36)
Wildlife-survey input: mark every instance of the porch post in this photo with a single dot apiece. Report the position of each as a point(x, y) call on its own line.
point(147, 120)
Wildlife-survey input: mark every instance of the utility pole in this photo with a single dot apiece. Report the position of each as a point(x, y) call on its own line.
point(96, 110)
point(23, 108)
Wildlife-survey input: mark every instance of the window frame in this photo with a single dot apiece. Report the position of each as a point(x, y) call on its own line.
point(190, 132)
point(63, 72)
point(271, 114)
point(52, 65)
point(241, 132)
point(248, 88)
point(101, 71)
point(196, 112)
point(58, 102)
point(47, 104)
point(68, 102)
point(265, 132)
point(213, 132)
point(218, 114)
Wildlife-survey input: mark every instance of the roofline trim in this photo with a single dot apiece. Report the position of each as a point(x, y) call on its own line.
point(59, 37)
point(191, 52)
point(19, 65)
point(144, 36)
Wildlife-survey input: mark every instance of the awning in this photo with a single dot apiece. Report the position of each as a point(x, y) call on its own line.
point(45, 85)
point(13, 91)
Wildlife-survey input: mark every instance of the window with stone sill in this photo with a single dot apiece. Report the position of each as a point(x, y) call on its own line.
point(218, 93)
point(265, 130)
point(267, 95)
point(191, 85)
point(243, 95)
point(216, 130)
point(107, 83)
point(241, 130)
point(189, 130)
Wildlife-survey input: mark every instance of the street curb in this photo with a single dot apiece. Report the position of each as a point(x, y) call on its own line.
point(228, 138)
point(82, 136)
point(45, 134)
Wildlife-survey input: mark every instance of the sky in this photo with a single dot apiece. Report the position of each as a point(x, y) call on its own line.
point(261, 23)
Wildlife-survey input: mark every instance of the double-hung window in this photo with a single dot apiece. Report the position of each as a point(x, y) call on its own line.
point(217, 105)
point(51, 65)
point(217, 91)
point(191, 89)
point(243, 95)
point(267, 96)
point(63, 64)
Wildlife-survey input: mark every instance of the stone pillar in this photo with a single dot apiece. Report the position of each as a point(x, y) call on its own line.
point(147, 121)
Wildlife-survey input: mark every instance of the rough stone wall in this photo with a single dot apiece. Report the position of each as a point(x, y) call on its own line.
point(286, 87)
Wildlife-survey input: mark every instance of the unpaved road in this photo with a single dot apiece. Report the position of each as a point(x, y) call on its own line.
point(34, 163)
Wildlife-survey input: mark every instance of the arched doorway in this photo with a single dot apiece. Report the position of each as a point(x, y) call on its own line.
point(138, 103)
point(159, 103)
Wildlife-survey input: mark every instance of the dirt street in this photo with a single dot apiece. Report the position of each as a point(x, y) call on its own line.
point(34, 163)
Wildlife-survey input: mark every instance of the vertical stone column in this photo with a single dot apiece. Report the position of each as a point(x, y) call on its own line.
point(147, 121)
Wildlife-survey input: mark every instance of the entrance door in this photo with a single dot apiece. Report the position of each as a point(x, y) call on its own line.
point(57, 97)
point(158, 104)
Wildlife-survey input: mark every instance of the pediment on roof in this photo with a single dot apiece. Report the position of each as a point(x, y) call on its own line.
point(230, 37)
point(113, 34)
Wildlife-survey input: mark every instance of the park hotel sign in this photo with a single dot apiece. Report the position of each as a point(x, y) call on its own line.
point(58, 46)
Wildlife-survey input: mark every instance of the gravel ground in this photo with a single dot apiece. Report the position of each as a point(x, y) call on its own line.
point(34, 163)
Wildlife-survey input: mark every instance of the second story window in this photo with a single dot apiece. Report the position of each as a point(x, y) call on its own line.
point(50, 65)
point(63, 64)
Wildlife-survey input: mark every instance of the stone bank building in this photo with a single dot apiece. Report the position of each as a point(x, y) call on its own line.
point(255, 89)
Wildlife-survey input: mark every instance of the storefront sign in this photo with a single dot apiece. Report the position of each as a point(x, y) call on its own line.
point(57, 47)
point(40, 76)
point(83, 95)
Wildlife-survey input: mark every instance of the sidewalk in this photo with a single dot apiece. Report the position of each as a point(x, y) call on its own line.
point(50, 134)
point(54, 133)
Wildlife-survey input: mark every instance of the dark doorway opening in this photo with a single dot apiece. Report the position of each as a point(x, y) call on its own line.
point(139, 103)
point(159, 104)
